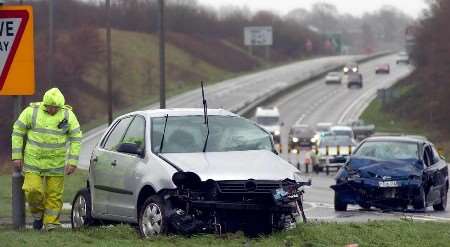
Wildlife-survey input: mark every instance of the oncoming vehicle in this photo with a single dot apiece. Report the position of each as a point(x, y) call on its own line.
point(351, 68)
point(300, 136)
point(333, 77)
point(342, 131)
point(186, 172)
point(393, 173)
point(402, 57)
point(269, 119)
point(321, 129)
point(333, 149)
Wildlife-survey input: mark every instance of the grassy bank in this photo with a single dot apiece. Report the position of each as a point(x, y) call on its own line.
point(71, 185)
point(396, 233)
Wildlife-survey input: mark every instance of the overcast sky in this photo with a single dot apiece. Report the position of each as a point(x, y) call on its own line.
point(354, 7)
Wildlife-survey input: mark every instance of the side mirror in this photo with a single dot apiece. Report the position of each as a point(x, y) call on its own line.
point(130, 148)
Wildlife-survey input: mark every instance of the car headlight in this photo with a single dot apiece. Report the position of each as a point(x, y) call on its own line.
point(346, 69)
point(276, 132)
point(295, 139)
point(355, 69)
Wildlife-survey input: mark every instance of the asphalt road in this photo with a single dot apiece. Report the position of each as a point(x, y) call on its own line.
point(234, 93)
point(318, 102)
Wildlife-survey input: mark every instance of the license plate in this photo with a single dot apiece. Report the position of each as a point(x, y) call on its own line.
point(388, 184)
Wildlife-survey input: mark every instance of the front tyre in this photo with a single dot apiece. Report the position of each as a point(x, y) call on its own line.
point(152, 217)
point(443, 204)
point(420, 201)
point(339, 204)
point(81, 213)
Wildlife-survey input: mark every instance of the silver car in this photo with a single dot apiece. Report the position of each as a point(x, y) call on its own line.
point(180, 171)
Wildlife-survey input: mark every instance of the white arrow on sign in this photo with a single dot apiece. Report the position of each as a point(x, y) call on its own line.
point(12, 26)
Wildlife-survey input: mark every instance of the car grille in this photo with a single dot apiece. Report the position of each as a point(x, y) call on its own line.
point(250, 186)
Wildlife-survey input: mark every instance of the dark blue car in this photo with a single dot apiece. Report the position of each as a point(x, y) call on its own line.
point(393, 173)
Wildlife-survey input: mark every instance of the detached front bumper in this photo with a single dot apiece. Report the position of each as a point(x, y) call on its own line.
point(376, 192)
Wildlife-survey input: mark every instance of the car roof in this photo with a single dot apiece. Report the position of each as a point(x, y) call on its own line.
point(341, 128)
point(267, 112)
point(174, 112)
point(412, 139)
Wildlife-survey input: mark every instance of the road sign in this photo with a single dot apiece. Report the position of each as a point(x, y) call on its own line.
point(16, 50)
point(258, 36)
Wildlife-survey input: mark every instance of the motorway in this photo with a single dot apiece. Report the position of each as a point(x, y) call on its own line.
point(318, 102)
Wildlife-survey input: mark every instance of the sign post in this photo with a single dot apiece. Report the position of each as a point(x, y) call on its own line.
point(259, 36)
point(17, 78)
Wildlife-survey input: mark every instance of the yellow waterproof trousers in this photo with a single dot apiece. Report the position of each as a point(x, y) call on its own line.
point(44, 197)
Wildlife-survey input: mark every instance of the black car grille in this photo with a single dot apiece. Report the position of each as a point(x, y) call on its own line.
point(250, 186)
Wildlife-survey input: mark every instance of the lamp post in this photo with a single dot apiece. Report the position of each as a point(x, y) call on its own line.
point(162, 62)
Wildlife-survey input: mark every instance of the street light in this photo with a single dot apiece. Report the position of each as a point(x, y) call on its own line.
point(109, 62)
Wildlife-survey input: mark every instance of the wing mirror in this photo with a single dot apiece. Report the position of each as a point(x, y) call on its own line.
point(130, 148)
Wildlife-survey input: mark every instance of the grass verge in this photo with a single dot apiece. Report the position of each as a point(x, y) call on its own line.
point(390, 233)
point(71, 186)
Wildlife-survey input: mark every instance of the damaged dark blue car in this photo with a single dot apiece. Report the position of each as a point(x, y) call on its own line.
point(393, 173)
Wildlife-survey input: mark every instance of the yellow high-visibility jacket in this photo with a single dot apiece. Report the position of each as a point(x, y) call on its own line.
point(47, 143)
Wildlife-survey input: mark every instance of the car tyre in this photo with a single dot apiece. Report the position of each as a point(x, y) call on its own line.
point(339, 205)
point(81, 213)
point(420, 202)
point(153, 220)
point(443, 204)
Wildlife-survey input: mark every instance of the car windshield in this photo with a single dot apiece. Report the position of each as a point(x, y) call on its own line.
point(343, 133)
point(385, 150)
point(187, 134)
point(322, 128)
point(333, 74)
point(334, 141)
point(267, 121)
point(303, 132)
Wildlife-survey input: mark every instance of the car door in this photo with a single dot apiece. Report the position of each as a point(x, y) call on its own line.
point(123, 176)
point(432, 172)
point(442, 170)
point(101, 166)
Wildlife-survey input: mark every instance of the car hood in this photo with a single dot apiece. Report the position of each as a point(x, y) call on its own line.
point(271, 129)
point(236, 165)
point(370, 168)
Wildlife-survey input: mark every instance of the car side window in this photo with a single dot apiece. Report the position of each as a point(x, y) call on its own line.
point(436, 156)
point(428, 156)
point(136, 133)
point(115, 136)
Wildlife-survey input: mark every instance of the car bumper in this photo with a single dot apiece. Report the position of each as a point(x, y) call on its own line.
point(244, 206)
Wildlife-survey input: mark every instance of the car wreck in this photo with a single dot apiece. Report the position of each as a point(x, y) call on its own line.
point(393, 173)
point(189, 171)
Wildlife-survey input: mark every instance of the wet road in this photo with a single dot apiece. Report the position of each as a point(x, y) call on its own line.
point(337, 104)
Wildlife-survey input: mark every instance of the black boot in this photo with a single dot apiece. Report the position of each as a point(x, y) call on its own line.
point(37, 224)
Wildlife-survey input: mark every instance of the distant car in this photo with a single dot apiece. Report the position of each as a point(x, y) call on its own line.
point(342, 131)
point(269, 119)
point(361, 130)
point(383, 69)
point(403, 57)
point(332, 149)
point(300, 136)
point(321, 128)
point(354, 80)
point(351, 68)
point(393, 172)
point(333, 77)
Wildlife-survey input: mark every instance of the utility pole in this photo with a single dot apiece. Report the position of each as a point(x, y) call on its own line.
point(109, 62)
point(50, 42)
point(162, 62)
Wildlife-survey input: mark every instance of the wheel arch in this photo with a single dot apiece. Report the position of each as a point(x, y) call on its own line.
point(146, 191)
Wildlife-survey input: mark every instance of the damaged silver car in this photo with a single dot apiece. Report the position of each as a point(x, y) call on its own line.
point(187, 171)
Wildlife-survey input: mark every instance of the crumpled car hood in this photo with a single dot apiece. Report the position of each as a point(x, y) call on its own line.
point(369, 168)
point(235, 165)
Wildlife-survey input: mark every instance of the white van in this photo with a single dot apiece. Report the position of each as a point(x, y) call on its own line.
point(269, 119)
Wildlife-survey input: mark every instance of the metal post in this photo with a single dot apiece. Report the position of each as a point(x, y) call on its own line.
point(50, 43)
point(109, 62)
point(18, 198)
point(162, 62)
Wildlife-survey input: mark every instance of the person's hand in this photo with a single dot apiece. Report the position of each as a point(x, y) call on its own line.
point(70, 169)
point(18, 164)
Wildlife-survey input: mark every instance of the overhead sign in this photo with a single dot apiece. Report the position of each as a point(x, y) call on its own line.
point(16, 50)
point(258, 36)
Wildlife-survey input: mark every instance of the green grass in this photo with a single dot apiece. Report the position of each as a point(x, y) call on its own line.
point(393, 233)
point(71, 185)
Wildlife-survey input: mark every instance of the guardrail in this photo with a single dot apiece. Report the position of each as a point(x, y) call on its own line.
point(249, 107)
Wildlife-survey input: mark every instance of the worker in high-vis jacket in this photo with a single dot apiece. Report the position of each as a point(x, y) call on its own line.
point(45, 145)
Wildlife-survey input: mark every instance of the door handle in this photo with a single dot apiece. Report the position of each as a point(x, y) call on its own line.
point(114, 163)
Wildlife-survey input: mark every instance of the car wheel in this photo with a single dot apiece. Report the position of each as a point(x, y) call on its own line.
point(443, 204)
point(339, 205)
point(152, 217)
point(420, 202)
point(80, 215)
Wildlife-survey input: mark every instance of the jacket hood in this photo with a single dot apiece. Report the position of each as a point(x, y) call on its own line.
point(54, 97)
point(237, 165)
point(369, 168)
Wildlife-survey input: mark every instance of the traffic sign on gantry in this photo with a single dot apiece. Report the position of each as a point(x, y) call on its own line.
point(16, 50)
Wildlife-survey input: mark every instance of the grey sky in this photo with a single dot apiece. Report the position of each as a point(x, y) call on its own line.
point(355, 7)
